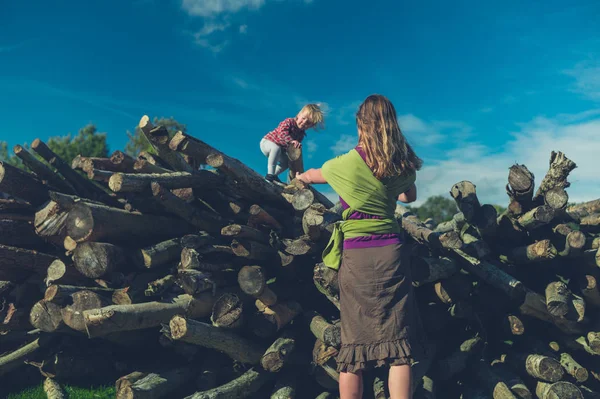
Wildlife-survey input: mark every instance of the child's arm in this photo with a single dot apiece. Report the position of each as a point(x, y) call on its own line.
point(311, 176)
point(409, 195)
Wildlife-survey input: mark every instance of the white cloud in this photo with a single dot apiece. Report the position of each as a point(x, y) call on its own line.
point(574, 135)
point(241, 83)
point(344, 144)
point(422, 133)
point(207, 8)
point(587, 79)
point(243, 29)
point(345, 115)
point(208, 36)
point(310, 146)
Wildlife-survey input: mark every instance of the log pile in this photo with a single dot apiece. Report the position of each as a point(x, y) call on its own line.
point(180, 281)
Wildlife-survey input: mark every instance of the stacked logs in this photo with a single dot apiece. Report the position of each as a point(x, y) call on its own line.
point(184, 273)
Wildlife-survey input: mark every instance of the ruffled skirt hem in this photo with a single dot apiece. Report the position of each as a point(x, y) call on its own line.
point(356, 357)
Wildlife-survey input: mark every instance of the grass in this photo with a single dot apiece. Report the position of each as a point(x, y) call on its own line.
point(104, 392)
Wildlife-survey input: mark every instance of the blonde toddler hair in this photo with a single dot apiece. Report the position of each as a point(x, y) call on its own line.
point(315, 115)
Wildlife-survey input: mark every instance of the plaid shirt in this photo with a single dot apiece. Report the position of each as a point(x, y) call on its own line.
point(287, 131)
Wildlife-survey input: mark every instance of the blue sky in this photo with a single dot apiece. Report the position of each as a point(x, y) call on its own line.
point(478, 86)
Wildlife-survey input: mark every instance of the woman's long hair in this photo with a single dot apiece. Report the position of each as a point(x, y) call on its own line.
point(388, 153)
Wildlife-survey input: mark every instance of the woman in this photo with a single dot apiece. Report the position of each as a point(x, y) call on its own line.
point(379, 319)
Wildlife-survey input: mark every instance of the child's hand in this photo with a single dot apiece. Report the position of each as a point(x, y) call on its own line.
point(296, 143)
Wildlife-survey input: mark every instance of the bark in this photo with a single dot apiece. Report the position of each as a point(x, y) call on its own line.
point(193, 259)
point(144, 166)
point(228, 312)
point(318, 196)
point(512, 380)
point(206, 335)
point(82, 186)
point(91, 222)
point(144, 315)
point(326, 281)
point(271, 319)
point(19, 233)
point(17, 264)
point(558, 390)
point(465, 196)
point(62, 294)
point(299, 246)
point(456, 362)
point(590, 222)
point(190, 146)
point(573, 368)
point(22, 185)
point(252, 250)
point(201, 219)
point(160, 286)
point(458, 220)
point(295, 161)
point(195, 282)
point(158, 136)
point(285, 387)
point(556, 177)
point(318, 222)
point(161, 254)
point(17, 358)
point(274, 358)
point(249, 182)
point(539, 251)
point(99, 175)
point(302, 199)
point(140, 182)
point(453, 289)
point(51, 222)
point(537, 366)
point(258, 216)
point(123, 383)
point(122, 161)
point(423, 235)
point(242, 387)
point(589, 288)
point(575, 240)
point(330, 334)
point(520, 186)
point(253, 282)
point(576, 212)
point(513, 324)
point(156, 385)
point(244, 232)
point(426, 270)
point(97, 259)
point(53, 389)
point(537, 217)
point(557, 298)
point(42, 171)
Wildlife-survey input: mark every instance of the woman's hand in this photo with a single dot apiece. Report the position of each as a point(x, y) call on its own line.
point(311, 176)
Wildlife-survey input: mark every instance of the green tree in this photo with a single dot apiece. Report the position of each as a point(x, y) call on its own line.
point(88, 143)
point(138, 142)
point(437, 207)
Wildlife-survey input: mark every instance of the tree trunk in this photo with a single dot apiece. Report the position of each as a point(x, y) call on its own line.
point(520, 187)
point(244, 232)
point(539, 251)
point(274, 358)
point(162, 254)
point(453, 289)
point(53, 389)
point(295, 161)
point(456, 362)
point(140, 182)
point(155, 385)
point(299, 246)
point(228, 312)
point(97, 259)
point(82, 186)
point(199, 218)
point(423, 235)
point(159, 139)
point(329, 333)
point(42, 171)
point(253, 282)
point(51, 222)
point(537, 217)
point(198, 333)
point(556, 198)
point(17, 358)
point(576, 212)
point(193, 259)
point(46, 316)
point(17, 264)
point(99, 175)
point(537, 366)
point(271, 319)
point(22, 185)
point(557, 298)
point(326, 281)
point(191, 146)
point(59, 272)
point(495, 387)
point(62, 294)
point(589, 288)
point(122, 161)
point(318, 222)
point(252, 250)
point(573, 368)
point(90, 222)
point(285, 387)
point(144, 315)
point(19, 233)
point(556, 177)
point(429, 270)
point(250, 182)
point(242, 387)
point(258, 216)
point(465, 196)
point(558, 390)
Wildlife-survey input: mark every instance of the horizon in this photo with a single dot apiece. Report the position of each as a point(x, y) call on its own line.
point(477, 87)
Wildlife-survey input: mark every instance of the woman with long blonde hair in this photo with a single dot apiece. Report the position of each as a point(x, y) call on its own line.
point(379, 320)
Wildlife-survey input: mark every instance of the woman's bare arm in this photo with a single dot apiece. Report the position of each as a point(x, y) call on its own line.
point(409, 195)
point(311, 176)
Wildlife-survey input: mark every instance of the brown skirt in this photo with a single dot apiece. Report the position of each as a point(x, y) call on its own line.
point(379, 318)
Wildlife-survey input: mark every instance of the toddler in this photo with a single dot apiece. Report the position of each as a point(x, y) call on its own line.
point(290, 131)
